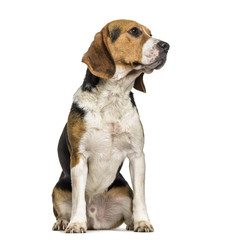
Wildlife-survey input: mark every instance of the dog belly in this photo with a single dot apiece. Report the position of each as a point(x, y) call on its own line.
point(105, 211)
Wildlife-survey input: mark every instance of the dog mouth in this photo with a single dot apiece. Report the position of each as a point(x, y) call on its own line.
point(160, 63)
point(157, 64)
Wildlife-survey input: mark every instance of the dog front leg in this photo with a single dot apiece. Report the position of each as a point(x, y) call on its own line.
point(137, 172)
point(78, 221)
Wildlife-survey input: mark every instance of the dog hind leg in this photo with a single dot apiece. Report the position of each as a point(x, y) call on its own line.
point(62, 203)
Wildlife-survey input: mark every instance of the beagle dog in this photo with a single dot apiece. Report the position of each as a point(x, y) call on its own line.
point(103, 129)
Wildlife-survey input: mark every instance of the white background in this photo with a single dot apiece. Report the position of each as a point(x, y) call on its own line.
point(186, 112)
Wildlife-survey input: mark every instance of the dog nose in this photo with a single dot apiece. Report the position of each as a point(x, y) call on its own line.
point(165, 46)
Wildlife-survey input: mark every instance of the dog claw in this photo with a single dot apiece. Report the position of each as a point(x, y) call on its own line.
point(76, 228)
point(60, 225)
point(143, 226)
point(146, 229)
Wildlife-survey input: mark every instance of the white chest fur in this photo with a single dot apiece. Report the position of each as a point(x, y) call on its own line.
point(112, 125)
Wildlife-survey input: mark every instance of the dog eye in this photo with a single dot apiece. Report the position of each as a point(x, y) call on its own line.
point(135, 32)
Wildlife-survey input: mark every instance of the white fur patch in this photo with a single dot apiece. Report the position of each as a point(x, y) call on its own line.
point(78, 177)
point(150, 51)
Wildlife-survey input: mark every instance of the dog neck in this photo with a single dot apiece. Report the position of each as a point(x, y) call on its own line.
point(117, 84)
point(96, 91)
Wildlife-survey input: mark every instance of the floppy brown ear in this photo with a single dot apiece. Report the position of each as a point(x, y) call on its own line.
point(139, 85)
point(98, 59)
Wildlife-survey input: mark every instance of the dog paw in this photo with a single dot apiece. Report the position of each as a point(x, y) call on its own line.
point(60, 225)
point(76, 227)
point(143, 226)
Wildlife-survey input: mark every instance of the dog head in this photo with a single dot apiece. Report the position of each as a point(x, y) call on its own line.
point(123, 47)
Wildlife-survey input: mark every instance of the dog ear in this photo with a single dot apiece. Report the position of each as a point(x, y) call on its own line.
point(98, 58)
point(139, 84)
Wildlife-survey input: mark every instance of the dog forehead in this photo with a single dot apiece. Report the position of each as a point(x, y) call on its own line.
point(126, 25)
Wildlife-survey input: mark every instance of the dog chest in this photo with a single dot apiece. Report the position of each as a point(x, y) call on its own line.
point(108, 128)
point(108, 142)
